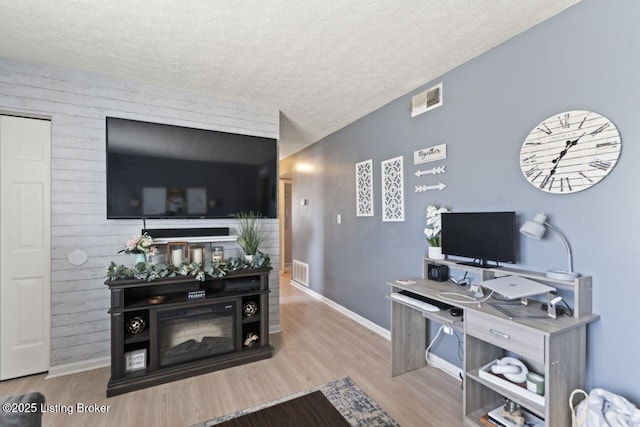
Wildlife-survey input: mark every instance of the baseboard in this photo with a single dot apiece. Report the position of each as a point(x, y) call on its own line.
point(350, 314)
point(443, 365)
point(73, 368)
point(301, 286)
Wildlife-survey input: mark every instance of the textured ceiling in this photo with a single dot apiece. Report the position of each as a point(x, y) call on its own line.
point(322, 63)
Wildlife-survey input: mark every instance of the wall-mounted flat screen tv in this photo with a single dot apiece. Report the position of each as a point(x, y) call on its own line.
point(486, 237)
point(162, 171)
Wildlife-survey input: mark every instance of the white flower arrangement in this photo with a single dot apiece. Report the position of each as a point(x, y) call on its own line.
point(434, 225)
point(140, 245)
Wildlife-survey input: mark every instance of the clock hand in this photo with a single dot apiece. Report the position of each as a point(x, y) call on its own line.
point(568, 145)
point(563, 153)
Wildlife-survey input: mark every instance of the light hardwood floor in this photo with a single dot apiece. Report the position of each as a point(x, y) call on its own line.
point(317, 345)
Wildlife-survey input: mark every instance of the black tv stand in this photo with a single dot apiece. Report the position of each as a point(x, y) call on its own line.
point(217, 338)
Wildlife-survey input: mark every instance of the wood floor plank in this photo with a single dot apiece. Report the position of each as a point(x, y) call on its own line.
point(317, 345)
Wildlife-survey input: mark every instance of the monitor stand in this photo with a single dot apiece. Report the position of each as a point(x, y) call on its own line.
point(480, 264)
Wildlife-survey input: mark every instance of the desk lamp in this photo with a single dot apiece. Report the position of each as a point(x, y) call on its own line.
point(535, 229)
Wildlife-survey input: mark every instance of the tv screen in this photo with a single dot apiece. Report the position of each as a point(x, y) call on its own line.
point(484, 236)
point(162, 171)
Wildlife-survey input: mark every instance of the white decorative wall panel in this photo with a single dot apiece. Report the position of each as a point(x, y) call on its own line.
point(364, 188)
point(393, 190)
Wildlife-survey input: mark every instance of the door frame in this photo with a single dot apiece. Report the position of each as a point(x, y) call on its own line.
point(282, 182)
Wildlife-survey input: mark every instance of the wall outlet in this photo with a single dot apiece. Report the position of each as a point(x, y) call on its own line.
point(339, 219)
point(447, 330)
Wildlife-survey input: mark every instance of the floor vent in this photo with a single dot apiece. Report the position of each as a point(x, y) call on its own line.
point(300, 272)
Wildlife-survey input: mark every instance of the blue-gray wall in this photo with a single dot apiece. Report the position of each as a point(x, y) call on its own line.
point(585, 58)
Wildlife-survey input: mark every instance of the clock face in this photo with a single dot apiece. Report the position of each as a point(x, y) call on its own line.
point(570, 152)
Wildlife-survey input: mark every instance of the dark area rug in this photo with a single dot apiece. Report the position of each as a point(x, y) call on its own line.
point(349, 401)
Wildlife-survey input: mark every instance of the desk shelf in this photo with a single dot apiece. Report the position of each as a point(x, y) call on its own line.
point(473, 375)
point(444, 316)
point(580, 287)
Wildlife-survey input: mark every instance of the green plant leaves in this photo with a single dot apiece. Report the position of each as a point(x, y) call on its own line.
point(251, 232)
point(149, 271)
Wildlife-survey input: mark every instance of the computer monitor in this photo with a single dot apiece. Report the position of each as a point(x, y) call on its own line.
point(486, 237)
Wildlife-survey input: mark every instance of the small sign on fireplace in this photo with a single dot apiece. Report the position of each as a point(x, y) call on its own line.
point(135, 360)
point(196, 294)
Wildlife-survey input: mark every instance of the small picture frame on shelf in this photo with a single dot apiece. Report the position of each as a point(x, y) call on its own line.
point(135, 360)
point(176, 201)
point(177, 252)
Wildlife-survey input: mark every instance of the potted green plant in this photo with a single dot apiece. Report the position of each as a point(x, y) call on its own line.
point(251, 233)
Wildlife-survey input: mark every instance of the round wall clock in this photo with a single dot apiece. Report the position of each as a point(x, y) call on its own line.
point(570, 152)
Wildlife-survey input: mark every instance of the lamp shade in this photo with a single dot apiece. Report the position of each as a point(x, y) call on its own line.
point(535, 228)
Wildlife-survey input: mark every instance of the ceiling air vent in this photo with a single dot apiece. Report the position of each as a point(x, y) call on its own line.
point(427, 100)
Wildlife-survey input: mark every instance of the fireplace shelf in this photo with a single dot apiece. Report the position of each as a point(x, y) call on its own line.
point(198, 327)
point(134, 338)
point(180, 297)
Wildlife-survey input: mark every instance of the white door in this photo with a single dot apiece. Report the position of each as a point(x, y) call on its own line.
point(25, 246)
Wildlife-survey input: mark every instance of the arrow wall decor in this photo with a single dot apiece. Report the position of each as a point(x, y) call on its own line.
point(433, 171)
point(423, 188)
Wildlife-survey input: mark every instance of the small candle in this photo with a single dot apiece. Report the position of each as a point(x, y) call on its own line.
point(176, 257)
point(217, 255)
point(197, 256)
point(535, 383)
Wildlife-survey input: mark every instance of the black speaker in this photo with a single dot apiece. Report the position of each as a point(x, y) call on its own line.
point(439, 273)
point(161, 233)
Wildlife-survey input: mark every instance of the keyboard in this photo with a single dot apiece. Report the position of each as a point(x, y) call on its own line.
point(422, 302)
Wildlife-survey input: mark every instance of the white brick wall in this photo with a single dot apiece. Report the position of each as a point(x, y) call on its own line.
point(77, 104)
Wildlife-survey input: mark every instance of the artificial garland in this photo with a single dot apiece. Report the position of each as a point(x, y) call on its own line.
point(149, 271)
